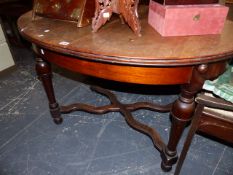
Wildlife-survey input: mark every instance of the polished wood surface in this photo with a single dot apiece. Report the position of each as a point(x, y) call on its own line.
point(126, 73)
point(116, 43)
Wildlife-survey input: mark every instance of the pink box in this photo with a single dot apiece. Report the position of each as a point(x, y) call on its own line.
point(182, 20)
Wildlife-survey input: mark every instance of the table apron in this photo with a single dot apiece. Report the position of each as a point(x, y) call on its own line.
point(122, 73)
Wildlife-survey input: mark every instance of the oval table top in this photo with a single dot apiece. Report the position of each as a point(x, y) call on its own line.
point(116, 43)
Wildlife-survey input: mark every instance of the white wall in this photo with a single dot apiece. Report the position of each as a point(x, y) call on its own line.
point(6, 59)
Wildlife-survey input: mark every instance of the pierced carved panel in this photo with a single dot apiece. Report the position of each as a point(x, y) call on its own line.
point(127, 10)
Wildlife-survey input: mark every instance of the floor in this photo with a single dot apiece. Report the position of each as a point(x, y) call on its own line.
point(87, 144)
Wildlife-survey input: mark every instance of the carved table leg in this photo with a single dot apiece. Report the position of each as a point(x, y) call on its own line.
point(181, 113)
point(183, 109)
point(44, 73)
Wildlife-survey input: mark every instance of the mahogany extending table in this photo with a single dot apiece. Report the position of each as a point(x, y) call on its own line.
point(116, 53)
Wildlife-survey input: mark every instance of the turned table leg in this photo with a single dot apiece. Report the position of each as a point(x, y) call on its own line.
point(44, 73)
point(181, 114)
point(183, 109)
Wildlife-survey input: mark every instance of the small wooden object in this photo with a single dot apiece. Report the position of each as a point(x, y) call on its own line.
point(127, 9)
point(80, 11)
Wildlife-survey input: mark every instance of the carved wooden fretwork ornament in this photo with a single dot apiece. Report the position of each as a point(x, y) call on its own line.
point(127, 10)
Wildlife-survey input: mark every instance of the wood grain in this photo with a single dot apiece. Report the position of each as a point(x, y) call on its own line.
point(116, 43)
point(130, 74)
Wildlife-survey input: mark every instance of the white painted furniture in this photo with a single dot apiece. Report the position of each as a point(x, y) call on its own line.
point(6, 59)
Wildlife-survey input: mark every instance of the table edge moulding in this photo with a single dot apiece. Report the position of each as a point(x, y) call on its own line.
point(116, 53)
